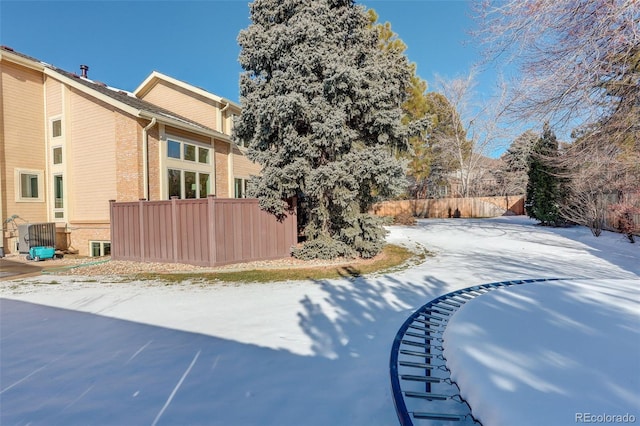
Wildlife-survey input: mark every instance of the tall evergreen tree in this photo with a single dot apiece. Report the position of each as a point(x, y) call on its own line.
point(544, 186)
point(417, 110)
point(516, 163)
point(322, 116)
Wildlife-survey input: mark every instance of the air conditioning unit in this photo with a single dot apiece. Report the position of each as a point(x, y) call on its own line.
point(36, 235)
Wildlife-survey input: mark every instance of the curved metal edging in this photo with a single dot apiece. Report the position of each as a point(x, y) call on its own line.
point(398, 399)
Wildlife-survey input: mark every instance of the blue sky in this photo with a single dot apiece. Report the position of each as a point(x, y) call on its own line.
point(195, 41)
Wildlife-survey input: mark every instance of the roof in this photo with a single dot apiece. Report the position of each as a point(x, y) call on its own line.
point(156, 76)
point(121, 99)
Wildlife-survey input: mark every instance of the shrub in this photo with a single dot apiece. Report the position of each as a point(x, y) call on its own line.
point(623, 213)
point(365, 234)
point(322, 248)
point(404, 219)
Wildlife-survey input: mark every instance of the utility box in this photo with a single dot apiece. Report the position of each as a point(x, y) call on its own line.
point(36, 235)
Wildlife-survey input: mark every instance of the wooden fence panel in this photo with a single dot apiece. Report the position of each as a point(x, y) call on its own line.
point(205, 232)
point(453, 207)
point(128, 230)
point(611, 219)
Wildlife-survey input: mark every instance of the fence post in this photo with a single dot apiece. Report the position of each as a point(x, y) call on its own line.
point(211, 228)
point(174, 228)
point(112, 228)
point(142, 236)
point(294, 225)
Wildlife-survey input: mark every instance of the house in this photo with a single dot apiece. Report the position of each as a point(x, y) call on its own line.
point(69, 144)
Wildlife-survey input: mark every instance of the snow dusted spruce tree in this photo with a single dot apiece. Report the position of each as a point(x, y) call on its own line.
point(321, 113)
point(544, 190)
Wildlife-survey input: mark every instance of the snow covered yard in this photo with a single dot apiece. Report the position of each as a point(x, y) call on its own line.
point(549, 353)
point(74, 351)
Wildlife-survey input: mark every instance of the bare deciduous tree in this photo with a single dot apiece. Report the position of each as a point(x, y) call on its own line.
point(579, 67)
point(594, 176)
point(480, 135)
point(577, 59)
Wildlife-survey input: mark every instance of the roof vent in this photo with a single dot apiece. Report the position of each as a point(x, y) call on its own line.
point(84, 69)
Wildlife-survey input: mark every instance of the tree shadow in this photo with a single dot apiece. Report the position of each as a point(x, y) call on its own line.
point(361, 315)
point(580, 356)
point(62, 367)
point(66, 367)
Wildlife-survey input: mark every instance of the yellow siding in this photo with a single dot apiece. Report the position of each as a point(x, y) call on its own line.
point(187, 135)
point(242, 166)
point(93, 159)
point(23, 139)
point(197, 108)
point(54, 98)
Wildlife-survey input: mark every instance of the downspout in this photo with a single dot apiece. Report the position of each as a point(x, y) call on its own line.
point(221, 115)
point(230, 181)
point(145, 157)
point(230, 156)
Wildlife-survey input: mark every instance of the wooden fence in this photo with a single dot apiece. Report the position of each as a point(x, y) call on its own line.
point(611, 219)
point(453, 207)
point(205, 232)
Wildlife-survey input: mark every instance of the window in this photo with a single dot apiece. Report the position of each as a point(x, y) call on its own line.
point(240, 186)
point(173, 149)
point(190, 189)
point(58, 196)
point(189, 152)
point(28, 185)
point(203, 155)
point(100, 248)
point(57, 155)
point(56, 128)
point(175, 183)
point(205, 184)
point(189, 169)
point(188, 184)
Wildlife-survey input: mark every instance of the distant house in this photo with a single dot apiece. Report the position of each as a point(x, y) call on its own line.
point(68, 145)
point(481, 179)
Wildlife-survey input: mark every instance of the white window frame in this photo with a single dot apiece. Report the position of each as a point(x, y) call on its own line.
point(182, 165)
point(183, 188)
point(53, 120)
point(18, 185)
point(196, 145)
point(243, 187)
point(56, 209)
point(53, 155)
point(102, 243)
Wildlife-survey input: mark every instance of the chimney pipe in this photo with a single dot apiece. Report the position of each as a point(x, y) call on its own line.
point(84, 69)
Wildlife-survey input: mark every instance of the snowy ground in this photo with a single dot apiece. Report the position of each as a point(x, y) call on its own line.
point(549, 353)
point(76, 351)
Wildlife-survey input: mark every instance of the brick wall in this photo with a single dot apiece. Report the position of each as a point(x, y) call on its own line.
point(221, 150)
point(129, 176)
point(82, 234)
point(154, 164)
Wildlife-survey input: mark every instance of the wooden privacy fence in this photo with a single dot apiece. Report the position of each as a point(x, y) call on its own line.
point(453, 207)
point(611, 219)
point(204, 232)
